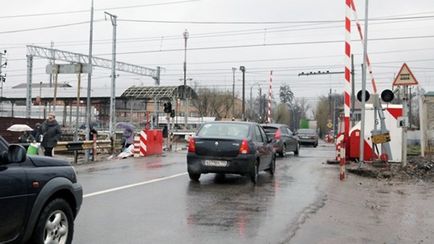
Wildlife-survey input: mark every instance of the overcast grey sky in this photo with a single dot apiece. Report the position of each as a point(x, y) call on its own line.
point(282, 47)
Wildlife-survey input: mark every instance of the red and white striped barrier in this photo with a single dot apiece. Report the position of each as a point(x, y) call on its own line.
point(136, 146)
point(143, 143)
point(347, 88)
point(359, 28)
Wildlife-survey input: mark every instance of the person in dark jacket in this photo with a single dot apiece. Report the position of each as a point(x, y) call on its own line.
point(36, 133)
point(51, 133)
point(26, 137)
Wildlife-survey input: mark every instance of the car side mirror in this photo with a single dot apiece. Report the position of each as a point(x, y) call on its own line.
point(16, 154)
point(269, 140)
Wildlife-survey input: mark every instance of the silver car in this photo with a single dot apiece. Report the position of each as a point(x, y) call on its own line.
point(308, 137)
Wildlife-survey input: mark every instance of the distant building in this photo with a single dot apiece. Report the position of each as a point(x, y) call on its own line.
point(135, 104)
point(429, 101)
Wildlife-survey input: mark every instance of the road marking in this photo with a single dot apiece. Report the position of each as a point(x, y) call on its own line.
point(132, 185)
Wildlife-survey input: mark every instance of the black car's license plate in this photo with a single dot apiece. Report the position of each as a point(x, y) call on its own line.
point(215, 163)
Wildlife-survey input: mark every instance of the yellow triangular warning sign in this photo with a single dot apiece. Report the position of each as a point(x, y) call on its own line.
point(405, 77)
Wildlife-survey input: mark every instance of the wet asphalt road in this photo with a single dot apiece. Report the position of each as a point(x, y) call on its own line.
point(152, 200)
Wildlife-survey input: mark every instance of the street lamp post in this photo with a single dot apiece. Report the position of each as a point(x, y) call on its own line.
point(185, 34)
point(243, 69)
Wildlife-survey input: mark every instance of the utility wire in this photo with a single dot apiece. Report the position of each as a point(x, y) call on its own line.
point(48, 27)
point(87, 10)
point(267, 45)
point(265, 22)
point(196, 36)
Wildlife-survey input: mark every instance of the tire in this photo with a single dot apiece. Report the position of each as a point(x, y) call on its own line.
point(272, 168)
point(194, 176)
point(254, 173)
point(56, 223)
point(315, 145)
point(283, 152)
point(297, 149)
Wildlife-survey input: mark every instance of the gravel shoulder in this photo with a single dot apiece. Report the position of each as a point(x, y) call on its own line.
point(370, 210)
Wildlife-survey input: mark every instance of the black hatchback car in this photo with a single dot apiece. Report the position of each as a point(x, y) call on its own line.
point(39, 197)
point(283, 139)
point(230, 148)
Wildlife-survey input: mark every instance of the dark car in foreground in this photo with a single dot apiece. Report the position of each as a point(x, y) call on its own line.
point(283, 139)
point(308, 137)
point(230, 148)
point(39, 197)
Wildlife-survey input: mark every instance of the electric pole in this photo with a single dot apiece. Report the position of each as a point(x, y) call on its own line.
point(365, 59)
point(2, 77)
point(113, 76)
point(89, 81)
point(233, 92)
point(185, 35)
point(243, 69)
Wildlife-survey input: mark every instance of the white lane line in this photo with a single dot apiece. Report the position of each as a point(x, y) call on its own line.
point(132, 185)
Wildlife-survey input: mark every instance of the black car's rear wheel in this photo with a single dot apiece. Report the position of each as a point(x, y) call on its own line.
point(283, 152)
point(194, 176)
point(273, 166)
point(254, 173)
point(55, 224)
point(297, 149)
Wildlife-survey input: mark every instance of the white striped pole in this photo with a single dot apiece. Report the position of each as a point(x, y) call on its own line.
point(359, 29)
point(347, 87)
point(269, 97)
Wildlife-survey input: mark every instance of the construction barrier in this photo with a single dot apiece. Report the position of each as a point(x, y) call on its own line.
point(151, 142)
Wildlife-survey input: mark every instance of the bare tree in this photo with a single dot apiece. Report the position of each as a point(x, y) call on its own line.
point(202, 103)
point(282, 114)
point(213, 103)
point(322, 114)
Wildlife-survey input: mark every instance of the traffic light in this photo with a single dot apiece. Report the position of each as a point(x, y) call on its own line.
point(167, 107)
point(172, 113)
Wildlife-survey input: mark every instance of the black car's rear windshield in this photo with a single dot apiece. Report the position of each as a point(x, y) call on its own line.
point(270, 130)
point(224, 130)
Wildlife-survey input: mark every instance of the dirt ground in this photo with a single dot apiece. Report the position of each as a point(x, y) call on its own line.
point(393, 206)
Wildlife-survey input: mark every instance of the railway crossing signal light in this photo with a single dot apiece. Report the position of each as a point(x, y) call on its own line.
point(387, 95)
point(359, 95)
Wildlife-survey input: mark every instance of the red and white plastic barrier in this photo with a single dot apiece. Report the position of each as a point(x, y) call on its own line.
point(143, 143)
point(136, 146)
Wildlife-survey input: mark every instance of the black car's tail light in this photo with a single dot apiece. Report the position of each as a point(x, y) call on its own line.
point(244, 148)
point(191, 145)
point(278, 135)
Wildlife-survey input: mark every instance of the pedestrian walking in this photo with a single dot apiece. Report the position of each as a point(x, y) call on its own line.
point(51, 133)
